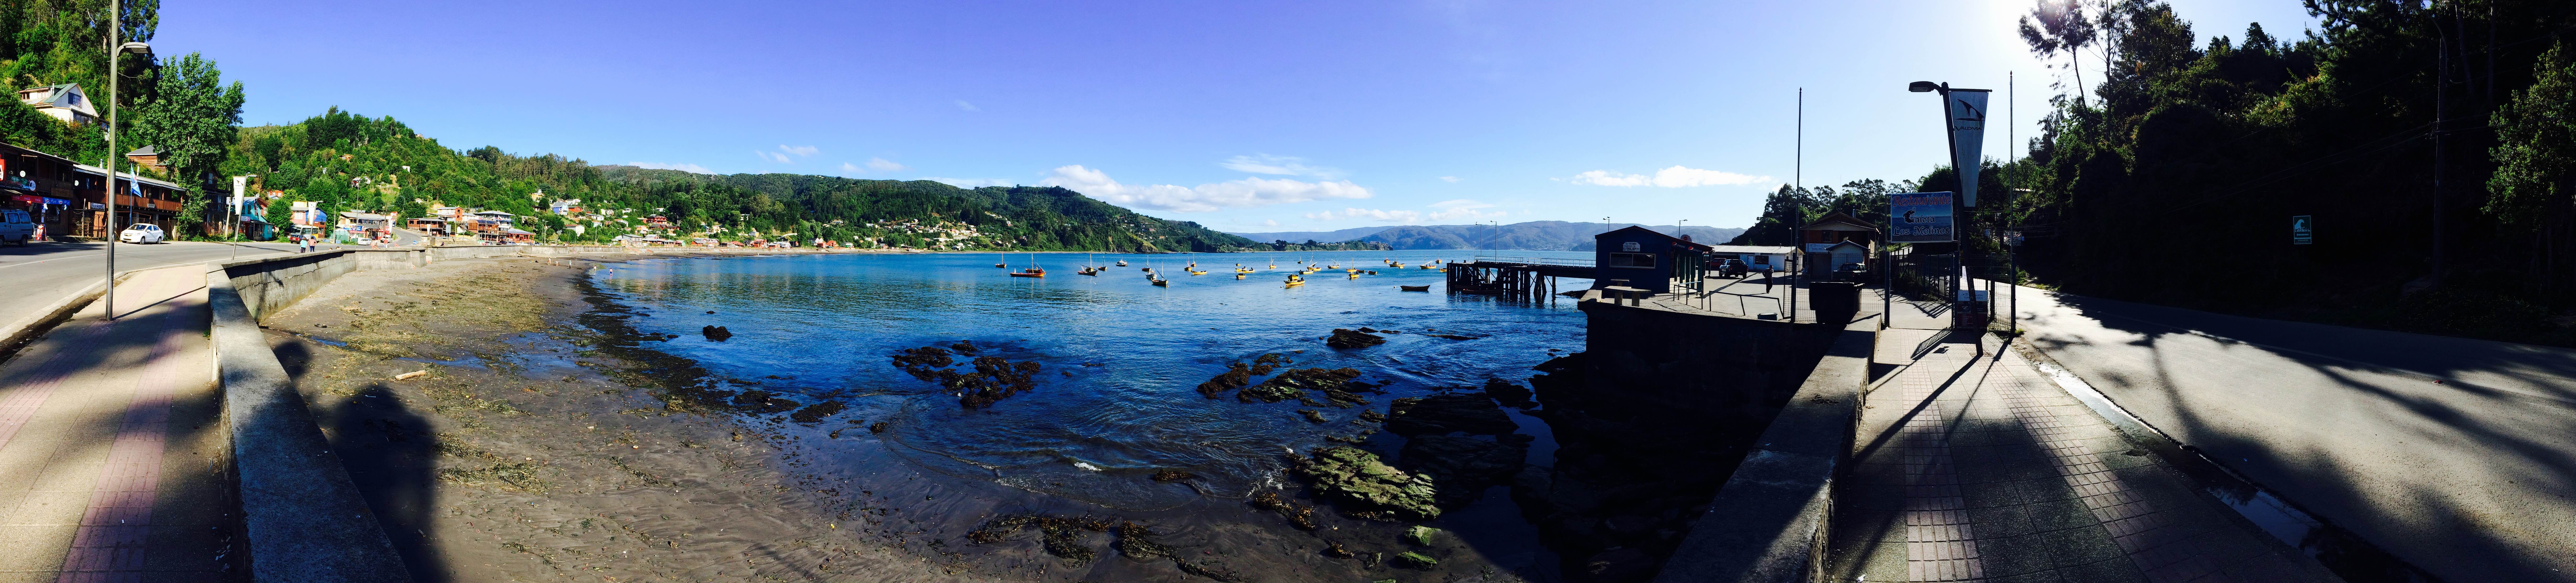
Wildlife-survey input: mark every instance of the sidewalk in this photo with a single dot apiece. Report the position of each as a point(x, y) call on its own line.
point(111, 451)
point(1981, 469)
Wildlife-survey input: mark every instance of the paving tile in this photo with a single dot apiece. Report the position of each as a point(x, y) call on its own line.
point(2108, 571)
point(2079, 546)
point(2017, 555)
point(2001, 521)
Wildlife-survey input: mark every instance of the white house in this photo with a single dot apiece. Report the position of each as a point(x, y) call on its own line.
point(65, 102)
point(1756, 258)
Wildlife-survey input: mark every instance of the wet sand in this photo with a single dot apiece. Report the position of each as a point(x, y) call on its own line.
point(547, 441)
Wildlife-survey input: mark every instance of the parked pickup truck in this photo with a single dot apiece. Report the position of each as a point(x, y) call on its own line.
point(15, 227)
point(1731, 268)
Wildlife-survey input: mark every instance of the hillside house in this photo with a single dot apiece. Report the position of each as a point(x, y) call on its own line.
point(1824, 240)
point(65, 102)
point(150, 157)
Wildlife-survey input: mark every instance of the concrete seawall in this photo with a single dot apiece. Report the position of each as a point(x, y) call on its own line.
point(1784, 395)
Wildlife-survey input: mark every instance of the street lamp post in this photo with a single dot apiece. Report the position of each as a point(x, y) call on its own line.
point(115, 25)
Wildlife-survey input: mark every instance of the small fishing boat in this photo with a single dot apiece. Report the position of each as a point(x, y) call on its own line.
point(1294, 281)
point(1420, 288)
point(1033, 271)
point(1091, 271)
point(1355, 275)
point(1160, 282)
point(1195, 271)
point(1145, 269)
point(997, 261)
point(1122, 263)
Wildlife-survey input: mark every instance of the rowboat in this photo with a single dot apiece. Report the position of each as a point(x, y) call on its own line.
point(998, 263)
point(1122, 263)
point(1030, 272)
point(1163, 283)
point(1091, 271)
point(1195, 272)
point(1420, 288)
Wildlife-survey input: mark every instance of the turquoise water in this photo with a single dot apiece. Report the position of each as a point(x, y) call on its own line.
point(1120, 358)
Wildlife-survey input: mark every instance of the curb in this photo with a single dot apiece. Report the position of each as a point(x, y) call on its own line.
point(19, 334)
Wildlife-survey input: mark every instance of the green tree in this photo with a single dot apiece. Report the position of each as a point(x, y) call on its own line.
point(2534, 186)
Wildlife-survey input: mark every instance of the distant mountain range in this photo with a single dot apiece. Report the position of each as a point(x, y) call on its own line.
point(1532, 236)
point(1317, 236)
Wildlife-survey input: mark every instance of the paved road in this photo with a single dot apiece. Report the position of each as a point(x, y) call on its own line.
point(2456, 455)
point(38, 274)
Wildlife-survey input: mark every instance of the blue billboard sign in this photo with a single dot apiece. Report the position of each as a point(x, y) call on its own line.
point(1920, 217)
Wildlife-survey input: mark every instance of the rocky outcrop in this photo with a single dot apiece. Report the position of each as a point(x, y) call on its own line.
point(1464, 466)
point(988, 380)
point(716, 333)
point(1365, 487)
point(1511, 395)
point(1351, 339)
point(1337, 385)
point(1441, 413)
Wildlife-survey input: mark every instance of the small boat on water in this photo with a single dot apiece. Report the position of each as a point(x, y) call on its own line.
point(1355, 275)
point(1032, 271)
point(1091, 271)
point(1294, 281)
point(1195, 271)
point(1420, 288)
point(1160, 282)
point(998, 263)
point(1122, 263)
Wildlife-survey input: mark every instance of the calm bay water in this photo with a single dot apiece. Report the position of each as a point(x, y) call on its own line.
point(1116, 398)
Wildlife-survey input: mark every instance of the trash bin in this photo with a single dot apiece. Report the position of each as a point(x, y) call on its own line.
point(1834, 301)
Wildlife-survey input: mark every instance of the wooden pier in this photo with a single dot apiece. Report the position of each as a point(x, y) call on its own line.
point(1513, 279)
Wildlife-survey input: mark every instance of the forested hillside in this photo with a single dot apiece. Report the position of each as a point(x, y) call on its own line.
point(2433, 144)
point(351, 162)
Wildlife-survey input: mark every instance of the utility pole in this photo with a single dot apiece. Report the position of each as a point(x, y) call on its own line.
point(1798, 164)
point(2441, 89)
point(115, 27)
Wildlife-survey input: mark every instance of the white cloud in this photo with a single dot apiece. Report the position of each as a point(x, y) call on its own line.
point(962, 104)
point(1385, 216)
point(1280, 165)
point(1674, 177)
point(1463, 209)
point(1449, 179)
point(972, 182)
point(1269, 222)
point(680, 167)
point(884, 165)
point(848, 168)
point(799, 150)
point(772, 157)
point(1244, 193)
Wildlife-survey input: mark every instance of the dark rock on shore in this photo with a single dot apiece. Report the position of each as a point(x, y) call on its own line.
point(1464, 466)
point(1209, 568)
point(816, 412)
point(1336, 384)
point(1447, 412)
point(991, 379)
point(1313, 416)
point(1350, 339)
point(762, 402)
point(1171, 475)
point(1512, 395)
point(1366, 487)
point(1063, 536)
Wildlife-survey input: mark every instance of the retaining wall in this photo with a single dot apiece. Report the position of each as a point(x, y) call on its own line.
point(302, 518)
point(1770, 522)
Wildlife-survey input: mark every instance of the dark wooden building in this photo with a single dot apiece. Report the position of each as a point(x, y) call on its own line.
point(1647, 260)
point(68, 198)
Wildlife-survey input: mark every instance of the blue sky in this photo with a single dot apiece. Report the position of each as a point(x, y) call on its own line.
point(1245, 116)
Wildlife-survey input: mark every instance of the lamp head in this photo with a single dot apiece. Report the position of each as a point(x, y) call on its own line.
point(1923, 87)
point(135, 48)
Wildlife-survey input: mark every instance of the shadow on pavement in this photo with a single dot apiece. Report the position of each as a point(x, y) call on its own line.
point(391, 453)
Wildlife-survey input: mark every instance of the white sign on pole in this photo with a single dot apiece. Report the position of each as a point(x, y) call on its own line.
point(1968, 139)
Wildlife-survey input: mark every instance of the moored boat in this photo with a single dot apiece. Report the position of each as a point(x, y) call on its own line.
point(1423, 287)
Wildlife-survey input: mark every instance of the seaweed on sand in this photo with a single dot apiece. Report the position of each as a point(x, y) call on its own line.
point(1061, 536)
